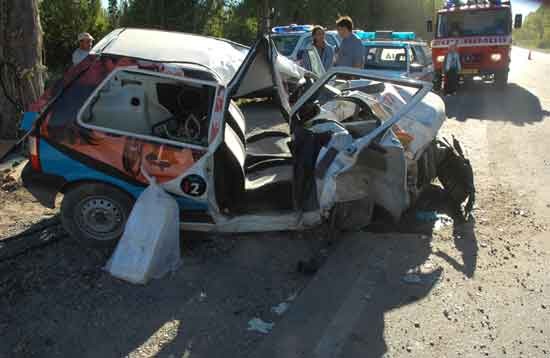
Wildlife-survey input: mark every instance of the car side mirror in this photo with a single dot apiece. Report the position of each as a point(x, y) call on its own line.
point(518, 20)
point(429, 26)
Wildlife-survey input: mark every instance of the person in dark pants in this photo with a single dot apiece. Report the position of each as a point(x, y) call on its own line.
point(452, 70)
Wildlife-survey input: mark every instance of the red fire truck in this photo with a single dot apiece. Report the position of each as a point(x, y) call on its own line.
point(482, 32)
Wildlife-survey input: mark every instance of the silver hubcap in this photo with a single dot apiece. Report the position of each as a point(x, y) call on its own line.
point(100, 217)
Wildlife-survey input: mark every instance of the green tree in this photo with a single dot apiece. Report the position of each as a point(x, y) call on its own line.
point(535, 31)
point(62, 20)
point(114, 13)
point(180, 15)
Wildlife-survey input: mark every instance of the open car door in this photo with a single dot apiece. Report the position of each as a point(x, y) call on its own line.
point(265, 71)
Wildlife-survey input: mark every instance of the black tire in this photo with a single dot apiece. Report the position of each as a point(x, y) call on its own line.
point(95, 214)
point(501, 78)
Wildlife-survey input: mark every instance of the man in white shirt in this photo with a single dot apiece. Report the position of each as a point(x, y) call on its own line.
point(85, 41)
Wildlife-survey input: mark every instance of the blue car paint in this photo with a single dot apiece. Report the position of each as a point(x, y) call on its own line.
point(28, 120)
point(57, 163)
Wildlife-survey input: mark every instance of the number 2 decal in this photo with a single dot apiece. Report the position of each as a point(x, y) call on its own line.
point(193, 185)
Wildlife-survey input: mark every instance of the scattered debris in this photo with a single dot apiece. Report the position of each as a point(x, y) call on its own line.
point(8, 183)
point(258, 325)
point(280, 309)
point(520, 212)
point(202, 296)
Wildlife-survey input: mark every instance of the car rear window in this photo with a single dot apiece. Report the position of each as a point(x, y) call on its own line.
point(386, 58)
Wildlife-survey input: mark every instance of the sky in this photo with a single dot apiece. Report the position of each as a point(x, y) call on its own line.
point(524, 6)
point(518, 6)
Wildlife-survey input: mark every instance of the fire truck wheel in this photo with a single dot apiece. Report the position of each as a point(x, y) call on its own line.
point(95, 214)
point(501, 78)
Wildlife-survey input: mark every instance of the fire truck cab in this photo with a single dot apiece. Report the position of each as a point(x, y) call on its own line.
point(482, 32)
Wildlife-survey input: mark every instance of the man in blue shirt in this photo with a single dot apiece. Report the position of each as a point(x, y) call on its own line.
point(352, 52)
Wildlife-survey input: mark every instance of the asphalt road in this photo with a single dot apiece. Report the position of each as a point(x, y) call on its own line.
point(470, 289)
point(513, 126)
point(477, 289)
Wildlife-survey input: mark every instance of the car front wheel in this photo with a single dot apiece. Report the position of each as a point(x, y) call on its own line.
point(95, 214)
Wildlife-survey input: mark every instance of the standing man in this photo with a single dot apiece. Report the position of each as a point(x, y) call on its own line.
point(85, 41)
point(325, 51)
point(352, 51)
point(452, 69)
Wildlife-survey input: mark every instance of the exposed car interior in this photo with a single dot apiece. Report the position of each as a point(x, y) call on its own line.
point(252, 171)
point(145, 104)
point(272, 170)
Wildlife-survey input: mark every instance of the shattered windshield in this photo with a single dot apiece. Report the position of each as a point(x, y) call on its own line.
point(474, 23)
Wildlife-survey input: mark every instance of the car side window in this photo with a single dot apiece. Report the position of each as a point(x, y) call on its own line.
point(413, 59)
point(428, 54)
point(417, 56)
point(150, 105)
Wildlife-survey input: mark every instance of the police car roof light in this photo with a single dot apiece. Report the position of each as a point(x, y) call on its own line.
point(292, 28)
point(456, 3)
point(386, 35)
point(404, 36)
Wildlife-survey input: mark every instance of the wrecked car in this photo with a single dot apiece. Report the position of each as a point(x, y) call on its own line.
point(164, 103)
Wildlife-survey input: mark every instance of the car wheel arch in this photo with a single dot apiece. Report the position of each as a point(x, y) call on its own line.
point(88, 181)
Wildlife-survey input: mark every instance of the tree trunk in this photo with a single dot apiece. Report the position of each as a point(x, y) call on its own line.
point(21, 63)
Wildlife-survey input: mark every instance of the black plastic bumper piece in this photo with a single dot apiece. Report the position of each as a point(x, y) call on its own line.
point(44, 187)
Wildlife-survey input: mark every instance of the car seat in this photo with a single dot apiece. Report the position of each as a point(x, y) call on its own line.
point(263, 145)
point(242, 186)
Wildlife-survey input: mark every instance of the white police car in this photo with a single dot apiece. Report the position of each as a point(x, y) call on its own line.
point(390, 52)
point(291, 39)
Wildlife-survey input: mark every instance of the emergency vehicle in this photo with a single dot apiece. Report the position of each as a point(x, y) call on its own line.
point(482, 32)
point(399, 53)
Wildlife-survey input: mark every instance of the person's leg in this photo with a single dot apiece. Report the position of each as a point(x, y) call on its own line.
point(448, 82)
point(453, 80)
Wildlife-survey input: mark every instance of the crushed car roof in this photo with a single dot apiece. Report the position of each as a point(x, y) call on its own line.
point(220, 56)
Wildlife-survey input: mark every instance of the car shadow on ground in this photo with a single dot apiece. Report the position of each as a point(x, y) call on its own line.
point(409, 274)
point(59, 301)
point(484, 101)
